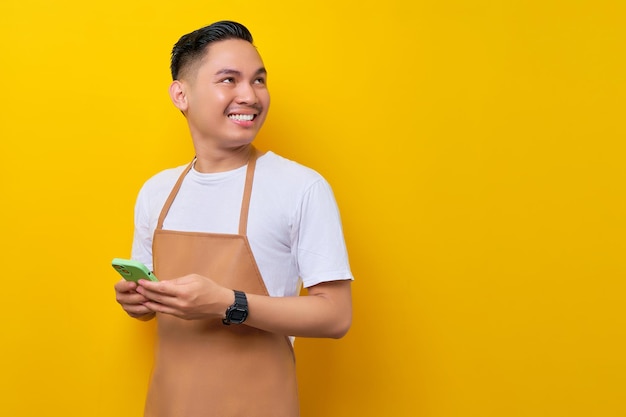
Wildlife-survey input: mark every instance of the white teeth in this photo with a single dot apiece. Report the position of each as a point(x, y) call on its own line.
point(241, 117)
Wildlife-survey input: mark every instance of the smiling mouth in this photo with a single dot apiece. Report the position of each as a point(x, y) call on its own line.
point(242, 117)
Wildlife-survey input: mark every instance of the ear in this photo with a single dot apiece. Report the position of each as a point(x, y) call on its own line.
point(178, 95)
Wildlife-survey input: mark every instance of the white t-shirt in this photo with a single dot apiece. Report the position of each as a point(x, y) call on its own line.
point(294, 227)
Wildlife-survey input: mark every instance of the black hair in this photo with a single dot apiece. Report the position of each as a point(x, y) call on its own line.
point(192, 46)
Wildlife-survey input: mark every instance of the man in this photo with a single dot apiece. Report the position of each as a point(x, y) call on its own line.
point(231, 238)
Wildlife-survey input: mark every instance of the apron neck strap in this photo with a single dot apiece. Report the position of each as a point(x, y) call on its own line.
point(247, 193)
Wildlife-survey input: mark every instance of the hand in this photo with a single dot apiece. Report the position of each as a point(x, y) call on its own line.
point(190, 297)
point(131, 301)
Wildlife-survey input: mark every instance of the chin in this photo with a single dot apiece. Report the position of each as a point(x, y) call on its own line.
point(238, 143)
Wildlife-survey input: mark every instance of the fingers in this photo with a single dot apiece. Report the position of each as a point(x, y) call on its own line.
point(125, 286)
point(130, 298)
point(137, 311)
point(173, 286)
point(184, 297)
point(189, 297)
point(161, 292)
point(131, 301)
point(162, 308)
point(155, 296)
point(171, 290)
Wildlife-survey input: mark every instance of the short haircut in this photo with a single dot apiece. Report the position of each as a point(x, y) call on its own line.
point(192, 47)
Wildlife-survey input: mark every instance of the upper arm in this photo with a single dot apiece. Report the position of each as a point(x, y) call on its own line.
point(142, 235)
point(319, 243)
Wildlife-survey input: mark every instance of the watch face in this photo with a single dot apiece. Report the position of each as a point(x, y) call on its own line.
point(238, 315)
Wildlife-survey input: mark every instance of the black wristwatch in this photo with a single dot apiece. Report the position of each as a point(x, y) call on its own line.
point(238, 312)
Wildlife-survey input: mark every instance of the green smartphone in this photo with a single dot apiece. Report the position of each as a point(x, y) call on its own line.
point(132, 270)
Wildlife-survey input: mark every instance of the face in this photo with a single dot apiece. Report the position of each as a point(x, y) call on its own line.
point(225, 96)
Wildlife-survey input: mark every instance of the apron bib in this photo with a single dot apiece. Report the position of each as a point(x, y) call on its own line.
point(202, 367)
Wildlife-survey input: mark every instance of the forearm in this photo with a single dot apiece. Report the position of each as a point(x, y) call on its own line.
point(325, 312)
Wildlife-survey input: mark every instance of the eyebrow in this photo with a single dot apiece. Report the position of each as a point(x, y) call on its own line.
point(230, 71)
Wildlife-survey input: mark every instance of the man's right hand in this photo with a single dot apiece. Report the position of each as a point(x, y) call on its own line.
point(131, 301)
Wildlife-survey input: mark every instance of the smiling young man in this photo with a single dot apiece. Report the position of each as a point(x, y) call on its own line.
point(231, 238)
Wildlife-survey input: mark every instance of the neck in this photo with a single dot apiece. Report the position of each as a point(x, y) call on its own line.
point(220, 160)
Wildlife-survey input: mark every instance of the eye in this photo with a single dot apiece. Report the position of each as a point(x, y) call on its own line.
point(228, 80)
point(259, 80)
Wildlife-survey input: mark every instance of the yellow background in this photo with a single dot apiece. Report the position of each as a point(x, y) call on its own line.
point(476, 149)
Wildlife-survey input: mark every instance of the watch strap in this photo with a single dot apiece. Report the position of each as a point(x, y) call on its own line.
point(241, 299)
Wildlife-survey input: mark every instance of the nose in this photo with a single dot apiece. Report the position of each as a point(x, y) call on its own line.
point(246, 94)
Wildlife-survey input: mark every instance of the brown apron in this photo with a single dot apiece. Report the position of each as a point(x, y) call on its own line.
point(202, 367)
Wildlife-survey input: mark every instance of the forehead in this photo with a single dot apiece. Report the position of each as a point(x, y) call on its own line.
point(233, 54)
